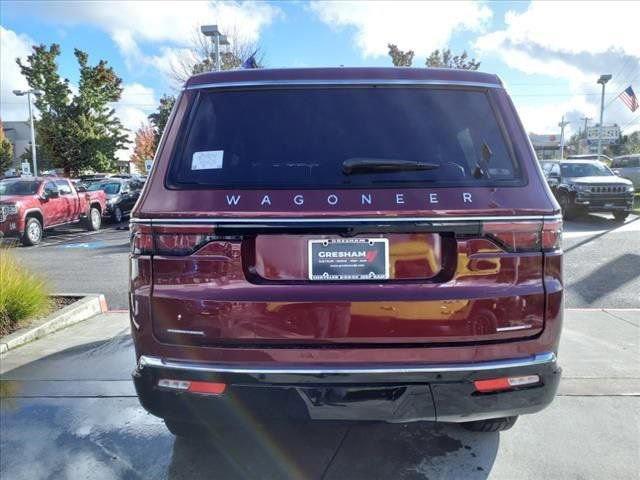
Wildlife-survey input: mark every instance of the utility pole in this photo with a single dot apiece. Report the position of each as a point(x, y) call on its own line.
point(217, 39)
point(562, 124)
point(583, 143)
point(28, 93)
point(602, 81)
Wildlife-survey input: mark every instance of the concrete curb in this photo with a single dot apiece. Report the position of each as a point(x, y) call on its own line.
point(85, 307)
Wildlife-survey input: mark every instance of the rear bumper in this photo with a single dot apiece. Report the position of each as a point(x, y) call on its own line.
point(383, 393)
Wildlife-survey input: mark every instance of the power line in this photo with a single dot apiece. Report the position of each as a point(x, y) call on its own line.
point(633, 121)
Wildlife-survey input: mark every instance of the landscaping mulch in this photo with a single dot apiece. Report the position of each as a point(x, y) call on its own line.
point(56, 303)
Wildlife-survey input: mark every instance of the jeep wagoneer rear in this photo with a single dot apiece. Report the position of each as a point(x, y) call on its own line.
point(357, 244)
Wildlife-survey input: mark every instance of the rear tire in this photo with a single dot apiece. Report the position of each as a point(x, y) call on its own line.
point(117, 215)
point(32, 234)
point(491, 425)
point(184, 429)
point(568, 210)
point(94, 220)
point(620, 216)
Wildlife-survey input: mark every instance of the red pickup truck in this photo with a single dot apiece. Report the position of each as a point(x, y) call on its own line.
point(28, 206)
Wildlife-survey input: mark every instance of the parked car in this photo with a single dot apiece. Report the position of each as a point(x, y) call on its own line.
point(30, 206)
point(628, 166)
point(122, 195)
point(592, 156)
point(583, 186)
point(347, 244)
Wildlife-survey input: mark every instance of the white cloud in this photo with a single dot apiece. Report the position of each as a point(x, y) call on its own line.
point(134, 23)
point(419, 26)
point(594, 27)
point(573, 43)
point(136, 103)
point(12, 45)
point(544, 117)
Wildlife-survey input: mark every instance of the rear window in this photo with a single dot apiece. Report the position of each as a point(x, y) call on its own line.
point(299, 138)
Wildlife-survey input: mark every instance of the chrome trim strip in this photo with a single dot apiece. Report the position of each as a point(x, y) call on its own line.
point(380, 219)
point(538, 359)
point(185, 332)
point(347, 82)
point(510, 329)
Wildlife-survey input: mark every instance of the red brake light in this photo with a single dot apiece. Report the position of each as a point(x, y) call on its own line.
point(551, 234)
point(505, 383)
point(177, 241)
point(525, 236)
point(141, 240)
point(180, 243)
point(515, 236)
point(209, 388)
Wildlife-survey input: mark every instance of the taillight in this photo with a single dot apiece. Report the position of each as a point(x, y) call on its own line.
point(175, 241)
point(505, 383)
point(551, 234)
point(525, 236)
point(207, 388)
point(180, 243)
point(141, 240)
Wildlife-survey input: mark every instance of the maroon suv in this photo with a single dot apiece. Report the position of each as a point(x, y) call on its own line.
point(357, 244)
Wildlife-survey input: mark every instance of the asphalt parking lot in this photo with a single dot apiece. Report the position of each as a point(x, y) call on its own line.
point(602, 262)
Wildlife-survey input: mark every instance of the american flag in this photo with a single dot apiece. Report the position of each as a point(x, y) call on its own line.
point(629, 98)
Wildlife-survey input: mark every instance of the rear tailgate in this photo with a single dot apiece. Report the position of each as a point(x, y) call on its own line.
point(237, 283)
point(239, 206)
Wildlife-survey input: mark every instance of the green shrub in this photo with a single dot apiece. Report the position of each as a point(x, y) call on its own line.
point(23, 295)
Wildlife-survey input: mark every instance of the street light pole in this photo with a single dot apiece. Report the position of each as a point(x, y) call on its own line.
point(602, 81)
point(562, 124)
point(28, 93)
point(218, 39)
point(217, 51)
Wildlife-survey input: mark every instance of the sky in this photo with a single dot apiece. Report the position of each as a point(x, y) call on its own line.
point(548, 54)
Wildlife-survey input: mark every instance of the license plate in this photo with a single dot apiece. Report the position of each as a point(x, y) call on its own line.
point(349, 259)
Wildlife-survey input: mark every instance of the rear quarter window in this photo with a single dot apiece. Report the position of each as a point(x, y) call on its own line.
point(299, 138)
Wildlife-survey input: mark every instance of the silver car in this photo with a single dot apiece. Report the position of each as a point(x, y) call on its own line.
point(628, 166)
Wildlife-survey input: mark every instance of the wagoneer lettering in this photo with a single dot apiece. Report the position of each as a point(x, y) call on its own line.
point(373, 244)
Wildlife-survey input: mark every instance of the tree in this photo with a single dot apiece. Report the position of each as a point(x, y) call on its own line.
point(446, 59)
point(6, 152)
point(160, 117)
point(76, 131)
point(144, 146)
point(198, 58)
point(628, 145)
point(399, 57)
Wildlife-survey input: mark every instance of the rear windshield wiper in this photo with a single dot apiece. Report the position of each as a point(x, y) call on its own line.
point(353, 166)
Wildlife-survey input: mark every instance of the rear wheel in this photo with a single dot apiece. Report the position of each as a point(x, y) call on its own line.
point(491, 425)
point(94, 220)
point(117, 215)
point(620, 216)
point(32, 234)
point(184, 429)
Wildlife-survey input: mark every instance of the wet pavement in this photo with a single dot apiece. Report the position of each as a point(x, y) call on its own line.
point(68, 410)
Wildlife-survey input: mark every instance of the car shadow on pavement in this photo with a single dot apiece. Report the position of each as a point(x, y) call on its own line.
point(335, 450)
point(603, 226)
point(618, 272)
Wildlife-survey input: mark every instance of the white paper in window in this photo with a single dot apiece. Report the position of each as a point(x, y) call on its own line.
point(209, 160)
